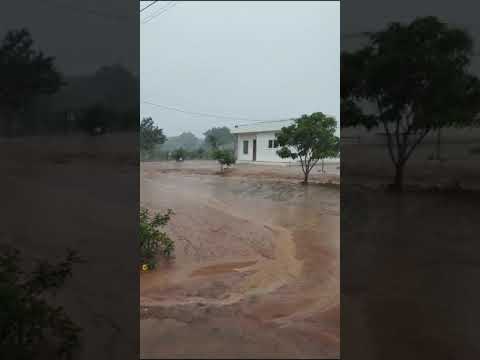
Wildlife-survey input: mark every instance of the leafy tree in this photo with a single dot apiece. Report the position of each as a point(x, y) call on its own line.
point(224, 157)
point(218, 137)
point(179, 154)
point(26, 73)
point(416, 79)
point(186, 140)
point(150, 135)
point(199, 153)
point(309, 138)
point(152, 240)
point(29, 325)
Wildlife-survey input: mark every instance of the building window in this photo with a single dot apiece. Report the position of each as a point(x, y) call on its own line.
point(272, 144)
point(245, 146)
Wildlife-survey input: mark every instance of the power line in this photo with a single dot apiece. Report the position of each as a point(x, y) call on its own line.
point(162, 11)
point(146, 7)
point(167, 7)
point(223, 117)
point(198, 113)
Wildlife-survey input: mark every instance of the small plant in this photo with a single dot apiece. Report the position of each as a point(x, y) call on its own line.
point(224, 157)
point(29, 324)
point(152, 240)
point(179, 154)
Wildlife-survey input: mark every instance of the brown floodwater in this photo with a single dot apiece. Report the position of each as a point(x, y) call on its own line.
point(255, 272)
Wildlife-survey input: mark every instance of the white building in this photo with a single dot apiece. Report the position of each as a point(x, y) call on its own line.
point(256, 142)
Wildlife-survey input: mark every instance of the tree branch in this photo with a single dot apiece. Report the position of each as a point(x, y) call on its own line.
point(389, 141)
point(414, 145)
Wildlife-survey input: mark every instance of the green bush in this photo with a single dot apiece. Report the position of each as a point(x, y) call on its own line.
point(152, 240)
point(224, 157)
point(29, 325)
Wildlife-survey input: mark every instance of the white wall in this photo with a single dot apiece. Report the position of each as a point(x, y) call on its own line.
point(240, 155)
point(263, 152)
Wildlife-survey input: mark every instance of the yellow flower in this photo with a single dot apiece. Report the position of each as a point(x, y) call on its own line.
point(144, 267)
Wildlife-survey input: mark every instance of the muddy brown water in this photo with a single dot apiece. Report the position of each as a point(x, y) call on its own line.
point(255, 273)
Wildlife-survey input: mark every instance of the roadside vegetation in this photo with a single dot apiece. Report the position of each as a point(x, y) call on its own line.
point(187, 146)
point(30, 325)
point(224, 157)
point(309, 139)
point(150, 135)
point(153, 241)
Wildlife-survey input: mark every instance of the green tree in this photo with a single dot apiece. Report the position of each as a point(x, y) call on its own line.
point(218, 137)
point(26, 73)
point(416, 79)
point(309, 138)
point(152, 240)
point(199, 153)
point(150, 135)
point(185, 140)
point(225, 157)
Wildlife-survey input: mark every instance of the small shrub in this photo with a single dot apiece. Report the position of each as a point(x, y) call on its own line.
point(152, 240)
point(29, 325)
point(224, 157)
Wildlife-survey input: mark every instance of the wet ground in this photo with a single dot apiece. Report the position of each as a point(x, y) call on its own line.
point(79, 192)
point(257, 170)
point(410, 267)
point(255, 273)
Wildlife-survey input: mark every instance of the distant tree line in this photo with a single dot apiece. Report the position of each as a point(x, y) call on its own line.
point(154, 145)
point(39, 99)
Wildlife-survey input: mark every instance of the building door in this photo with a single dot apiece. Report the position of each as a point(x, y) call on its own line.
point(254, 149)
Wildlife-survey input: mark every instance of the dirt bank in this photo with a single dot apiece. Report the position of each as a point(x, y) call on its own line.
point(256, 272)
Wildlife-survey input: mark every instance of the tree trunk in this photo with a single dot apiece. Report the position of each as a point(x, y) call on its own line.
point(398, 184)
point(439, 135)
point(305, 179)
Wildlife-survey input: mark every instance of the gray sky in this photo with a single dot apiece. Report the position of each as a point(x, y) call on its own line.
point(255, 60)
point(81, 35)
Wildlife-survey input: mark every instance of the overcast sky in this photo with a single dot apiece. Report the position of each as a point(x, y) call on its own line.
point(254, 60)
point(81, 35)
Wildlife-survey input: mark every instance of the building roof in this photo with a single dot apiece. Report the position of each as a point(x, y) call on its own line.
point(263, 126)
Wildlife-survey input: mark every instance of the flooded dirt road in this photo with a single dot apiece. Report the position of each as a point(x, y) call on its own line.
point(255, 274)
